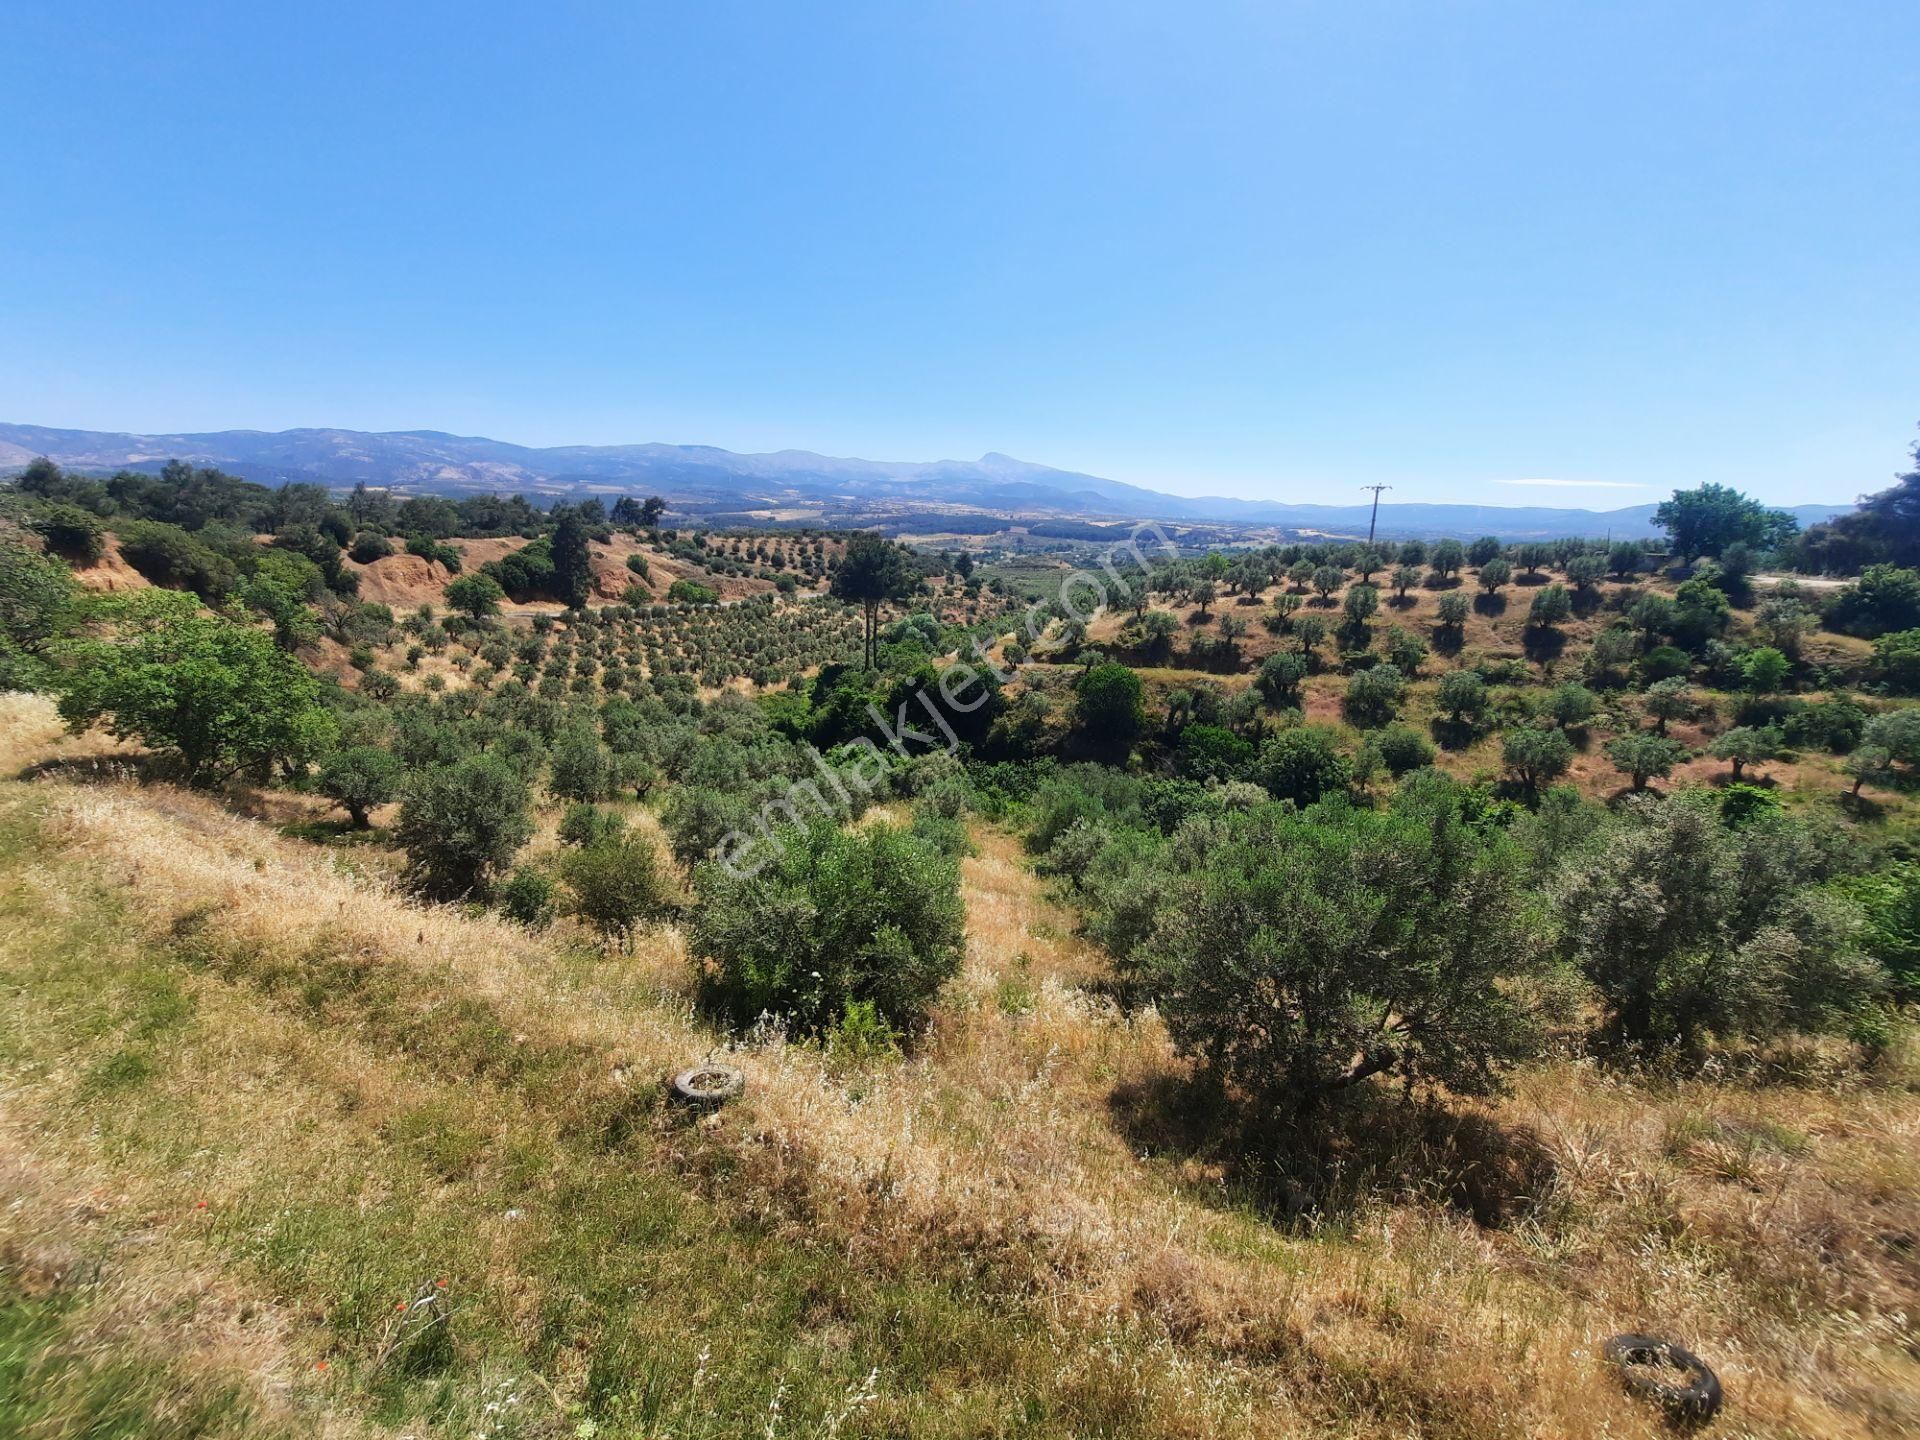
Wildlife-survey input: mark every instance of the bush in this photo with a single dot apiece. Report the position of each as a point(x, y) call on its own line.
point(1664, 662)
point(171, 557)
point(476, 596)
point(1536, 757)
point(1373, 695)
point(1310, 952)
point(1463, 696)
point(360, 778)
point(616, 885)
point(585, 824)
point(838, 918)
point(1279, 677)
point(527, 897)
point(1207, 752)
point(462, 822)
point(216, 694)
point(1890, 903)
point(73, 533)
point(1302, 765)
point(1687, 928)
point(370, 547)
point(1897, 656)
point(1108, 710)
point(1571, 705)
point(690, 592)
point(1406, 650)
point(697, 819)
point(1883, 599)
point(582, 767)
point(1402, 749)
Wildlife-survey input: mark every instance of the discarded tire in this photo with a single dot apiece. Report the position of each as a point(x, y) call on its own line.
point(707, 1085)
point(1660, 1371)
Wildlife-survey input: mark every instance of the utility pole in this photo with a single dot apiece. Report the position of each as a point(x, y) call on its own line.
point(1375, 519)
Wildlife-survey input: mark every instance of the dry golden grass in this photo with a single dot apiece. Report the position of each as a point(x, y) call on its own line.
point(1018, 1153)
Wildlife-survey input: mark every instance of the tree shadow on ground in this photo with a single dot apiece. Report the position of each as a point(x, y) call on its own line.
point(1370, 1145)
point(1451, 734)
point(1542, 643)
point(100, 769)
point(1492, 604)
point(1447, 639)
point(1585, 602)
point(1860, 807)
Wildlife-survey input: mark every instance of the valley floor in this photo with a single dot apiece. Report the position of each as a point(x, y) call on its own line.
point(284, 1153)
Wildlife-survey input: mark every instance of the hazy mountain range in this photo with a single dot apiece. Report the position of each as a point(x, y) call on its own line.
point(702, 478)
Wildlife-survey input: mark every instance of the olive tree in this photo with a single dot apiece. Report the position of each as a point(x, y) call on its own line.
point(1463, 695)
point(359, 778)
point(1373, 695)
point(211, 691)
point(462, 822)
point(476, 596)
point(1669, 699)
point(1279, 677)
point(1551, 606)
point(1536, 757)
point(1686, 927)
point(1643, 757)
point(839, 918)
point(1312, 951)
point(1746, 745)
point(616, 885)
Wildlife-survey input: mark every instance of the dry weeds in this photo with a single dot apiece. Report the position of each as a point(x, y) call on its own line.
point(1767, 1221)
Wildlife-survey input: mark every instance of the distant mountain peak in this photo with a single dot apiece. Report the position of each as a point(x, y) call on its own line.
point(705, 479)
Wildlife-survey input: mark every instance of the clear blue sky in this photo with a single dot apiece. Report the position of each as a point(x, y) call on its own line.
point(1272, 250)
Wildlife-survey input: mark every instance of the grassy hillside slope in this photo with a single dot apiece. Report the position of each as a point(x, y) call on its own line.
point(286, 1153)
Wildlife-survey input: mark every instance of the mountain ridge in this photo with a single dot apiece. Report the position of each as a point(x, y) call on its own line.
point(705, 477)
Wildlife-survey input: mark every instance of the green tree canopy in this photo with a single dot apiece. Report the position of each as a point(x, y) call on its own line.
point(1686, 927)
point(462, 823)
point(873, 571)
point(1705, 521)
point(210, 690)
point(839, 918)
point(1108, 709)
point(1311, 951)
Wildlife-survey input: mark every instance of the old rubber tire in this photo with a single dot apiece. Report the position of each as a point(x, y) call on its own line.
point(707, 1084)
point(1662, 1371)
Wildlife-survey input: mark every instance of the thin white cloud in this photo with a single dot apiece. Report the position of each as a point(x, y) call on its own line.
point(1582, 484)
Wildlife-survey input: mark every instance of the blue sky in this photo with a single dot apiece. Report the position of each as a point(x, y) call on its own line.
point(1271, 250)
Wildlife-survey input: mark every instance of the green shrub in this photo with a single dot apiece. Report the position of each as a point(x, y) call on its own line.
point(1311, 951)
point(1108, 710)
point(527, 897)
point(369, 547)
point(462, 822)
point(360, 778)
point(1373, 695)
point(1402, 749)
point(837, 917)
point(691, 592)
point(585, 824)
point(1687, 927)
point(73, 533)
point(616, 885)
